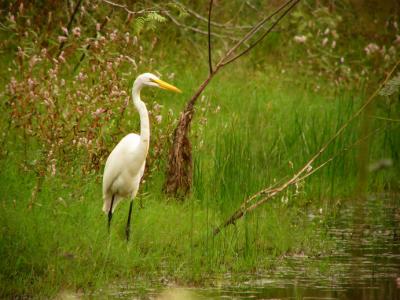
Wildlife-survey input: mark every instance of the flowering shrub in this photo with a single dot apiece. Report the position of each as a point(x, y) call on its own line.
point(330, 48)
point(69, 89)
point(69, 83)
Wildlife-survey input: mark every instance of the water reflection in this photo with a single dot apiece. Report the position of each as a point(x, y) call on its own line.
point(366, 265)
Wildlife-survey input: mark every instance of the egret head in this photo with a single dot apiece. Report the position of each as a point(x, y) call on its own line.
point(152, 80)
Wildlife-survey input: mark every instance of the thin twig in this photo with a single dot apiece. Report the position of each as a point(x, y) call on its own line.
point(200, 17)
point(209, 37)
point(386, 119)
point(253, 31)
point(309, 173)
point(356, 143)
point(78, 4)
point(167, 14)
point(197, 30)
point(102, 25)
point(264, 34)
point(251, 6)
point(131, 12)
point(124, 6)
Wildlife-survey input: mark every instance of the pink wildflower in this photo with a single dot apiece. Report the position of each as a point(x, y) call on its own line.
point(371, 48)
point(62, 38)
point(65, 30)
point(76, 31)
point(99, 112)
point(301, 39)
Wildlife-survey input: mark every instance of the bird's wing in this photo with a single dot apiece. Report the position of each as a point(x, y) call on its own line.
point(116, 163)
point(142, 169)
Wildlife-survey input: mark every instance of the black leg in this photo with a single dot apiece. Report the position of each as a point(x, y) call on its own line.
point(110, 213)
point(128, 224)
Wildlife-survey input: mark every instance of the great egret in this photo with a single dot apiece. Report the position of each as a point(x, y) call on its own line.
point(125, 164)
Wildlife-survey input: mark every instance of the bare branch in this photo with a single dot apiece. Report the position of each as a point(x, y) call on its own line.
point(167, 14)
point(131, 12)
point(102, 25)
point(209, 38)
point(356, 143)
point(253, 31)
point(117, 5)
point(213, 23)
point(71, 20)
point(302, 173)
point(197, 30)
point(387, 119)
point(251, 5)
point(179, 170)
point(272, 192)
point(265, 33)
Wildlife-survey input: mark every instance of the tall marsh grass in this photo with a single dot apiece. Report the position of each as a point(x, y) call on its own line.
point(254, 126)
point(259, 135)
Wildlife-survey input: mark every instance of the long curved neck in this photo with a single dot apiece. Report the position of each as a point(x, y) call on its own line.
point(144, 116)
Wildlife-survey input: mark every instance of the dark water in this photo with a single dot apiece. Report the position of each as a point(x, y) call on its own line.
point(366, 265)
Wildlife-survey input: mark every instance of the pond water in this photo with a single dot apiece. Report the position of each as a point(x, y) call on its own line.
point(365, 266)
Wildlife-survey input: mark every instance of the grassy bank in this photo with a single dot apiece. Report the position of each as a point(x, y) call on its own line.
point(256, 123)
point(60, 240)
point(261, 133)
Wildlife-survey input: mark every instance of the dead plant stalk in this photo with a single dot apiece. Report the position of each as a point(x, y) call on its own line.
point(179, 168)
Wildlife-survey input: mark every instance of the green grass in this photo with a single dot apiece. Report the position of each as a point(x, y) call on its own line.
point(254, 128)
point(61, 241)
point(265, 133)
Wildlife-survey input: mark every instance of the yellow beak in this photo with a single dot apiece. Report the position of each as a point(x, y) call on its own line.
point(166, 86)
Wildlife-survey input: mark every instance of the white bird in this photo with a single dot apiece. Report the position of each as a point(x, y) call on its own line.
point(125, 164)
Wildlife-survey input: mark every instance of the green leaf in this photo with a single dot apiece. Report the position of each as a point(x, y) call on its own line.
point(182, 12)
point(153, 16)
point(138, 25)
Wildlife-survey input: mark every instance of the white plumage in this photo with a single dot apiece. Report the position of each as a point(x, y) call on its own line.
point(125, 165)
point(123, 171)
